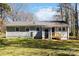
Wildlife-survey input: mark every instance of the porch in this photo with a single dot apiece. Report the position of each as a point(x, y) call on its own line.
point(56, 33)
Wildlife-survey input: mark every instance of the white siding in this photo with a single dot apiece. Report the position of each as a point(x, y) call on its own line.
point(22, 34)
point(62, 34)
point(17, 34)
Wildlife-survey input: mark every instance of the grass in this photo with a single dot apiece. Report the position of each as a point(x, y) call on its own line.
point(14, 51)
point(31, 47)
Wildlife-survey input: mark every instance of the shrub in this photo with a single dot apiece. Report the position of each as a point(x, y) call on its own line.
point(3, 41)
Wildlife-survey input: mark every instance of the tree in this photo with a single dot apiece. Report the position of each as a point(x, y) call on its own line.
point(18, 14)
point(4, 8)
point(61, 10)
point(16, 8)
point(65, 10)
point(67, 13)
point(76, 21)
point(23, 16)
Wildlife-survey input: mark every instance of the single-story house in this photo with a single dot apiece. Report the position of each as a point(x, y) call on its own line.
point(38, 30)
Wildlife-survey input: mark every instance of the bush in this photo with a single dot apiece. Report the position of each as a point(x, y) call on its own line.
point(3, 41)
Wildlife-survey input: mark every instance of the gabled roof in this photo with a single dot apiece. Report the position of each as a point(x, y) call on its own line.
point(37, 23)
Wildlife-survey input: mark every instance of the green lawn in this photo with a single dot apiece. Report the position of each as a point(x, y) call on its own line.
point(26, 47)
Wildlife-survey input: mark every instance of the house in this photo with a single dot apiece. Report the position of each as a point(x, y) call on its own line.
point(38, 29)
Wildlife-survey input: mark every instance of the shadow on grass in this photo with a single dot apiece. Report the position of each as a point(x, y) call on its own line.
point(45, 44)
point(42, 44)
point(65, 54)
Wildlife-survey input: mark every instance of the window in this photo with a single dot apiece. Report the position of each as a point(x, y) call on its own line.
point(63, 28)
point(46, 30)
point(11, 29)
point(27, 29)
point(17, 29)
point(37, 29)
point(22, 29)
point(59, 28)
point(53, 29)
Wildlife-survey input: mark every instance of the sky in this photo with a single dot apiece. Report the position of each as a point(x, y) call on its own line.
point(42, 11)
point(34, 7)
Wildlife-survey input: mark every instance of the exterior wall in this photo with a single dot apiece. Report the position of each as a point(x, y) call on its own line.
point(43, 34)
point(22, 34)
point(35, 33)
point(62, 35)
point(17, 34)
point(50, 33)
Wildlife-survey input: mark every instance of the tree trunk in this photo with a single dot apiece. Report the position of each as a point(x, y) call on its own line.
point(76, 21)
